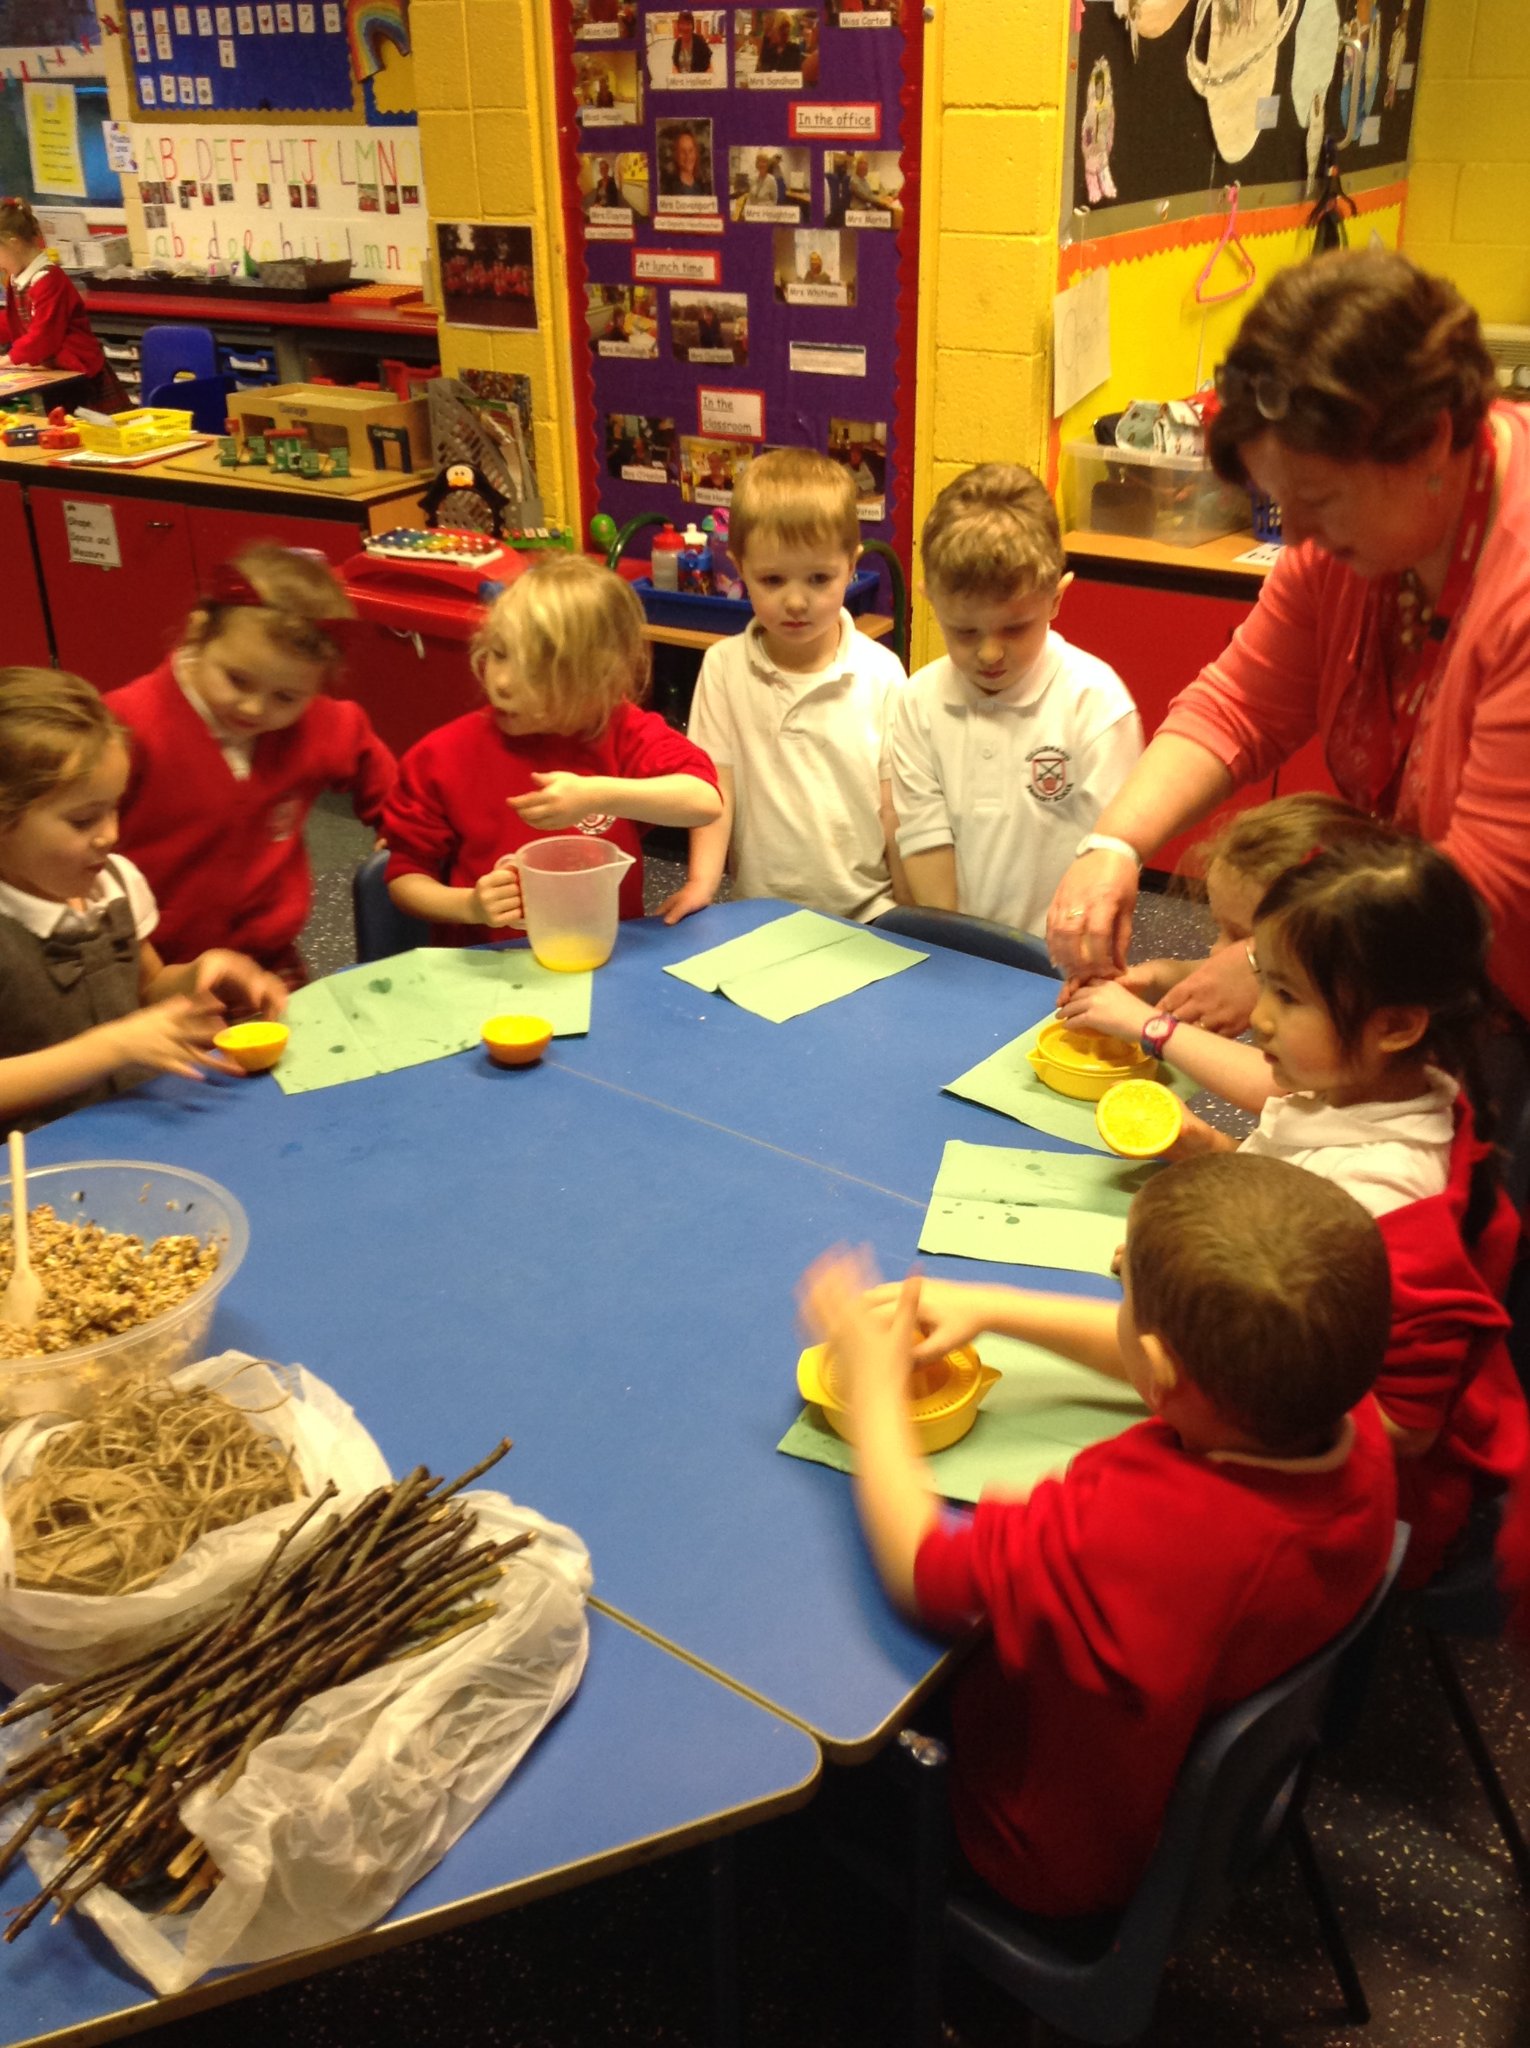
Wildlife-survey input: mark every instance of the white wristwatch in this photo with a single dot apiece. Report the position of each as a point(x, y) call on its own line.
point(1102, 842)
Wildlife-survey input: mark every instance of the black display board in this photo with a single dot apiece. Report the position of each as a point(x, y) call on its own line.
point(1162, 142)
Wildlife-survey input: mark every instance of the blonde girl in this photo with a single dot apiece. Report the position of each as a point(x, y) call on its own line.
point(44, 325)
point(234, 739)
point(86, 1002)
point(561, 745)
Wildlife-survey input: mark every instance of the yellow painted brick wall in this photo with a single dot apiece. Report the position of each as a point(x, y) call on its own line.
point(1469, 186)
point(992, 152)
point(488, 148)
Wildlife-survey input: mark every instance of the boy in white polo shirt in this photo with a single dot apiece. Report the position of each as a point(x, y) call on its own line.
point(794, 709)
point(1003, 753)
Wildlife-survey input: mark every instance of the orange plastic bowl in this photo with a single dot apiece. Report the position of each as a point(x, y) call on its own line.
point(255, 1046)
point(516, 1041)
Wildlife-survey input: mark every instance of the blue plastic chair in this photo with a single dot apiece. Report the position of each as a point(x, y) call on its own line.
point(963, 934)
point(1240, 1789)
point(205, 398)
point(382, 929)
point(165, 353)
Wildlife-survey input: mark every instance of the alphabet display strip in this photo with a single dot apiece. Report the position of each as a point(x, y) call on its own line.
point(741, 193)
point(292, 54)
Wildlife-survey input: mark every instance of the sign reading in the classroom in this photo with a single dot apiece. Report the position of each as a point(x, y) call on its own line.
point(53, 141)
point(91, 531)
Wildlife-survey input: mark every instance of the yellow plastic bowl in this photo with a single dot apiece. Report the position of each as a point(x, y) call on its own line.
point(1085, 1063)
point(516, 1041)
point(255, 1046)
point(944, 1398)
point(1139, 1119)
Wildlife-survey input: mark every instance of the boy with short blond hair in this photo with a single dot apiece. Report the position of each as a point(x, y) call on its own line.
point(793, 710)
point(1170, 1572)
point(1006, 750)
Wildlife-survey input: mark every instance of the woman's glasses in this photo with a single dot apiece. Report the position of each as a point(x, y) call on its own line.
point(1271, 395)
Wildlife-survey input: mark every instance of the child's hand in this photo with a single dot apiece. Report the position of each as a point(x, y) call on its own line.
point(173, 1037)
point(1219, 994)
point(1197, 1137)
point(950, 1313)
point(687, 899)
point(496, 899)
point(1108, 1007)
point(242, 986)
point(874, 1352)
point(559, 799)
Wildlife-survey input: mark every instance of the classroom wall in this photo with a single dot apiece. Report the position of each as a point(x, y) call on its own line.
point(1469, 187)
point(488, 137)
point(992, 149)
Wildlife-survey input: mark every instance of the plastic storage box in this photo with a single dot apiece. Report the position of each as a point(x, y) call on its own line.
point(147, 1201)
point(1175, 499)
point(132, 433)
point(729, 614)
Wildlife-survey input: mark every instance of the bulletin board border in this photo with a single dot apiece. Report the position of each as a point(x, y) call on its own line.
point(910, 24)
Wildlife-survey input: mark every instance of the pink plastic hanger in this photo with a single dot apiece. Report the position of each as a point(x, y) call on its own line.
point(1232, 242)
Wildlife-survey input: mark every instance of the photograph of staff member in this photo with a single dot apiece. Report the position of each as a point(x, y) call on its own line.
point(614, 184)
point(777, 46)
point(709, 327)
point(623, 319)
point(770, 184)
point(861, 445)
point(861, 13)
point(685, 163)
point(687, 50)
point(863, 190)
point(815, 267)
point(642, 450)
point(605, 21)
point(710, 469)
point(606, 91)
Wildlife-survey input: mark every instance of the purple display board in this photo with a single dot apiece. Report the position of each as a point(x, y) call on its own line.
point(741, 192)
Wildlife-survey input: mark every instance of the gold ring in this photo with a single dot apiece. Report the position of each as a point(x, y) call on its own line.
point(1069, 915)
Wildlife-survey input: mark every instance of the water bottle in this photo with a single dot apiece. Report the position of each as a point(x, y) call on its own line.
point(696, 564)
point(664, 561)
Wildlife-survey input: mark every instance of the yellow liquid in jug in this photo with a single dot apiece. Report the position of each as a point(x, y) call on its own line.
point(571, 956)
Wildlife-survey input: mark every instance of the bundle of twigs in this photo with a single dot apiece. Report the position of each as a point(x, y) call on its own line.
point(111, 1502)
point(395, 1577)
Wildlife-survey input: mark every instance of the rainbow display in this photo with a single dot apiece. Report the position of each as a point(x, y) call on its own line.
point(372, 23)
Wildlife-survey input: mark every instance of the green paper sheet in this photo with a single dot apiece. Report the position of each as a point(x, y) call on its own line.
point(794, 964)
point(1063, 1209)
point(418, 1006)
point(1038, 1415)
point(1006, 1081)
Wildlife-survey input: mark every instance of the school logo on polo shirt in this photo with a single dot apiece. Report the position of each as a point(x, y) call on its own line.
point(595, 823)
point(1050, 779)
point(284, 817)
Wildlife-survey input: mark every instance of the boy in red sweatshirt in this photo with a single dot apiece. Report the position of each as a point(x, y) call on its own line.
point(1169, 1573)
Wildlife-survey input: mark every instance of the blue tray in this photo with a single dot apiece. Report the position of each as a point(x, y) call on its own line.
point(730, 614)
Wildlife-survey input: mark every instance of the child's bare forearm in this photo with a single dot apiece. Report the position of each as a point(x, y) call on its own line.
point(1240, 1074)
point(32, 1080)
point(424, 897)
point(902, 888)
point(1075, 1326)
point(708, 854)
point(932, 877)
point(897, 1512)
point(658, 799)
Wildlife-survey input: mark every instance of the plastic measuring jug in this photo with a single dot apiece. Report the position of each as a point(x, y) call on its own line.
point(569, 888)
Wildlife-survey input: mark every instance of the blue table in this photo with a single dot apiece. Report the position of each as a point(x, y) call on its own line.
point(597, 1257)
point(649, 1756)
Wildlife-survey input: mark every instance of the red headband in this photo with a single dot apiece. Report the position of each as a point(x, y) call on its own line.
point(229, 586)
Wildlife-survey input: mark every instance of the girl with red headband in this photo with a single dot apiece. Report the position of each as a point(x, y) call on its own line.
point(233, 740)
point(44, 325)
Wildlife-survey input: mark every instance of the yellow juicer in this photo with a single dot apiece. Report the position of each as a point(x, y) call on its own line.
point(944, 1398)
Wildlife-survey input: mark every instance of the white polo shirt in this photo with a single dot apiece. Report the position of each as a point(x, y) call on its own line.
point(805, 753)
point(1386, 1154)
point(43, 915)
point(1012, 781)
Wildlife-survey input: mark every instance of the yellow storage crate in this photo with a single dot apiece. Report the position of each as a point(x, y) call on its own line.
point(132, 433)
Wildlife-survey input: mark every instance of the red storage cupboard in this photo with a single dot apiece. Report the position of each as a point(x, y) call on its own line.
point(110, 624)
point(24, 639)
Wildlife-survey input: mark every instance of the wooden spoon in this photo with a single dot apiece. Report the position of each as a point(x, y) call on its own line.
point(24, 1295)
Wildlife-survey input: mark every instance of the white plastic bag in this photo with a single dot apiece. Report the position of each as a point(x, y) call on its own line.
point(49, 1636)
point(369, 1784)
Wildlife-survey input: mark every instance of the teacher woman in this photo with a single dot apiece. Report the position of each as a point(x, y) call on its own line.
point(1396, 623)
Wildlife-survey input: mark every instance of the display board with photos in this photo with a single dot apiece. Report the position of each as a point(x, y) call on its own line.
point(741, 187)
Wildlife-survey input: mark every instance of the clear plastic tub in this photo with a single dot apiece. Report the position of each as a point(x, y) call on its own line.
point(1178, 500)
point(146, 1201)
